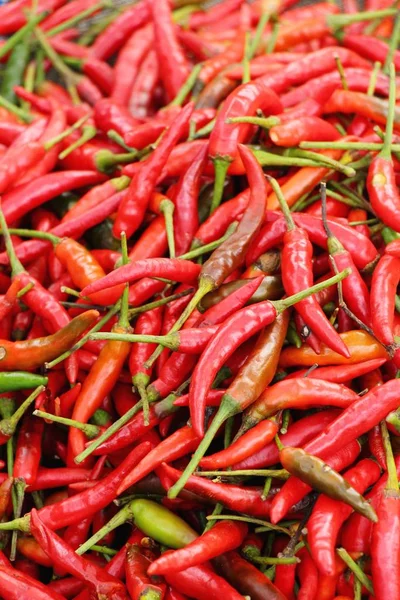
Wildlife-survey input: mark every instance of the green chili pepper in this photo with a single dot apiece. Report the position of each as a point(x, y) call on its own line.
point(154, 520)
point(20, 380)
point(14, 72)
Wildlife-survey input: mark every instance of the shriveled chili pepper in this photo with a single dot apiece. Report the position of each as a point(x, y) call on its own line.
point(314, 472)
point(328, 516)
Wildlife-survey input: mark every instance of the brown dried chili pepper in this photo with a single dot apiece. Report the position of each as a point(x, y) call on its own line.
point(316, 473)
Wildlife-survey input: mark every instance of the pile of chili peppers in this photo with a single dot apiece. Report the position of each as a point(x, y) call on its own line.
point(199, 319)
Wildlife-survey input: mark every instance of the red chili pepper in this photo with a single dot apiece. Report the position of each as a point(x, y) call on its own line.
point(373, 48)
point(145, 87)
point(224, 536)
point(302, 129)
point(110, 115)
point(64, 557)
point(329, 515)
point(28, 452)
point(354, 421)
point(139, 584)
point(133, 207)
point(15, 584)
point(383, 292)
point(226, 136)
point(128, 61)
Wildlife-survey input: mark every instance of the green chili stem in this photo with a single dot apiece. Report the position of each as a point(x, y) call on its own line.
point(167, 207)
point(266, 123)
point(109, 432)
point(330, 162)
point(246, 60)
point(339, 21)
point(342, 74)
point(290, 224)
point(119, 519)
point(221, 166)
point(353, 566)
point(25, 289)
point(8, 426)
point(78, 18)
point(71, 78)
point(251, 520)
point(269, 560)
point(77, 125)
point(204, 131)
point(212, 245)
point(186, 87)
point(261, 25)
point(372, 146)
point(104, 550)
point(218, 508)
point(393, 43)
point(273, 37)
point(19, 487)
point(19, 35)
point(266, 488)
point(25, 116)
point(88, 132)
point(374, 76)
point(392, 481)
point(278, 473)
point(113, 311)
point(91, 431)
point(386, 149)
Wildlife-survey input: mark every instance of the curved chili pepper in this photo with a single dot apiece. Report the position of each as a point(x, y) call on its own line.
point(246, 578)
point(148, 323)
point(302, 129)
point(340, 374)
point(269, 289)
point(215, 64)
point(328, 516)
point(226, 136)
point(29, 449)
point(314, 472)
point(20, 201)
point(16, 584)
point(109, 115)
point(114, 36)
point(128, 61)
point(299, 393)
point(64, 557)
point(224, 536)
point(383, 291)
point(202, 583)
point(245, 446)
point(174, 69)
point(32, 354)
point(138, 583)
point(186, 214)
point(133, 207)
point(361, 345)
point(144, 88)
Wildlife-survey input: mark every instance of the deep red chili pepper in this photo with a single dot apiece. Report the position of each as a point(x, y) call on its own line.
point(383, 291)
point(224, 536)
point(186, 219)
point(329, 515)
point(15, 584)
point(174, 68)
point(302, 129)
point(28, 453)
point(129, 59)
point(139, 584)
point(297, 275)
point(340, 374)
point(64, 557)
point(133, 207)
point(145, 86)
point(226, 136)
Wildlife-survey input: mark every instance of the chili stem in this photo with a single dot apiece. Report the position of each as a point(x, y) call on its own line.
point(246, 519)
point(88, 133)
point(19, 35)
point(353, 566)
point(392, 481)
point(386, 148)
point(18, 112)
point(374, 77)
point(261, 25)
point(278, 473)
point(212, 245)
point(78, 18)
point(186, 87)
point(119, 519)
point(393, 43)
point(372, 146)
point(91, 431)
